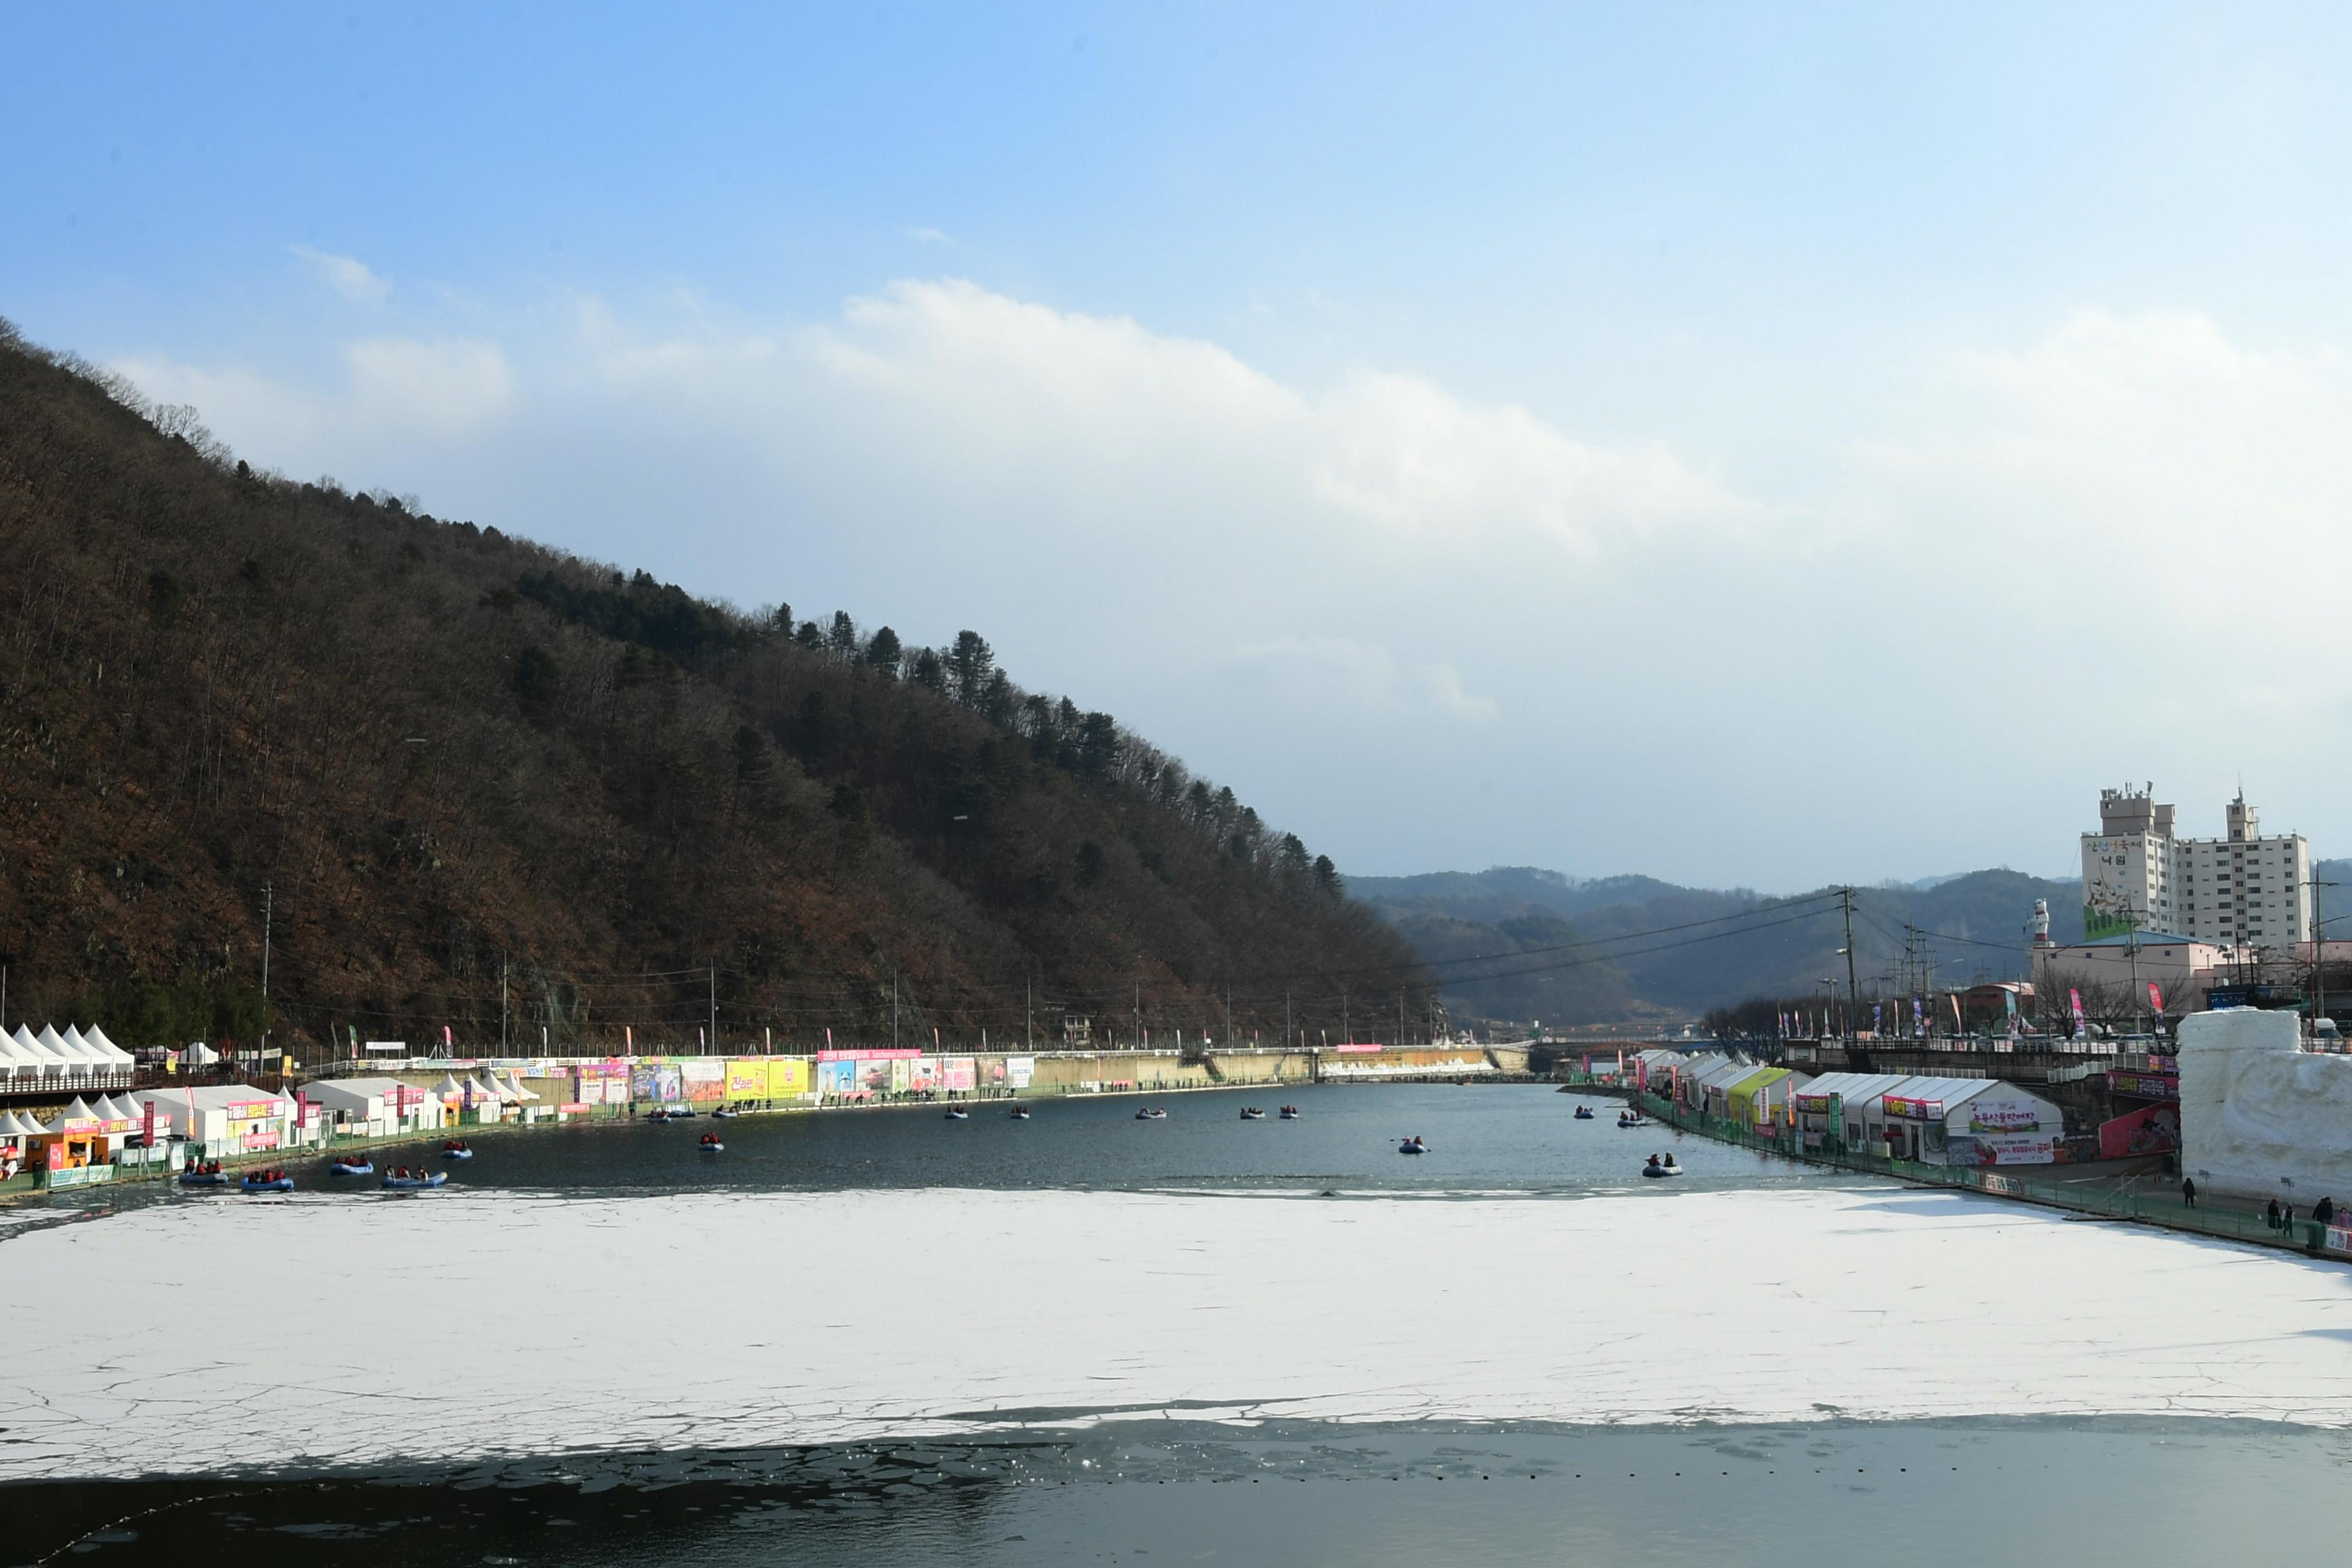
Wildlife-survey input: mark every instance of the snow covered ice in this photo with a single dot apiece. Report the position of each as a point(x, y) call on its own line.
point(207, 1334)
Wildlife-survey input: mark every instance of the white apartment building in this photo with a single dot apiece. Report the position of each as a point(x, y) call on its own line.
point(2243, 890)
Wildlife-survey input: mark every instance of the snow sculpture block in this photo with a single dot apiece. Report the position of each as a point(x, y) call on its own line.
point(2260, 1117)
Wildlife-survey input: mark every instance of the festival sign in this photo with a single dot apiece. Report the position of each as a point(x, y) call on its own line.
point(1910, 1109)
point(960, 1074)
point(923, 1075)
point(655, 1081)
point(1019, 1071)
point(867, 1054)
point(2146, 1085)
point(746, 1078)
point(2002, 1116)
point(2150, 1129)
point(788, 1077)
point(703, 1078)
point(1817, 1104)
point(842, 1080)
point(2003, 1148)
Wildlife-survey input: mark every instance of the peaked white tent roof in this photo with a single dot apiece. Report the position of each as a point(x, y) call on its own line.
point(16, 1055)
point(97, 1036)
point(485, 1088)
point(15, 1126)
point(512, 1084)
point(449, 1089)
point(48, 1043)
point(79, 1111)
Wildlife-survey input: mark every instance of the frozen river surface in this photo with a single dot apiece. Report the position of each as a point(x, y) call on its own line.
point(210, 1335)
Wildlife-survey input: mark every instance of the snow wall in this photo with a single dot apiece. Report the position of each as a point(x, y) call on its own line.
point(2259, 1117)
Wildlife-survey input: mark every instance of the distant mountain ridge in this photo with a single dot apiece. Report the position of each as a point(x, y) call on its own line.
point(1633, 949)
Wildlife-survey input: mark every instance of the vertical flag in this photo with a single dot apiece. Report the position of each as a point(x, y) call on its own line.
point(2156, 1001)
point(2009, 998)
point(1875, 1007)
point(1918, 1017)
point(1959, 1024)
point(2074, 1000)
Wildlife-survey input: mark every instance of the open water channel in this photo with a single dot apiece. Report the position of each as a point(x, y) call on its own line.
point(1549, 1454)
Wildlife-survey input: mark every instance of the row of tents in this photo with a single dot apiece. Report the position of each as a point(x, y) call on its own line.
point(119, 1113)
point(76, 1055)
point(484, 1087)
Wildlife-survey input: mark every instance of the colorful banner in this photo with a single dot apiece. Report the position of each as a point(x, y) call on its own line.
point(923, 1076)
point(657, 1082)
point(867, 1054)
point(1019, 1071)
point(2155, 998)
point(842, 1080)
point(746, 1078)
point(1910, 1109)
point(2150, 1129)
point(2002, 1148)
point(2074, 1000)
point(703, 1079)
point(960, 1074)
point(788, 1077)
point(2004, 1116)
point(2145, 1085)
point(1357, 1047)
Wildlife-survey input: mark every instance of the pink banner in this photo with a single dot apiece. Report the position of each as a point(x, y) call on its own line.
point(881, 1054)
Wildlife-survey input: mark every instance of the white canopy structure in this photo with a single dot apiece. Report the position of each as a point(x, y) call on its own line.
point(51, 1057)
point(12, 1125)
point(486, 1090)
point(16, 1059)
point(79, 1111)
point(449, 1089)
point(96, 1037)
point(512, 1086)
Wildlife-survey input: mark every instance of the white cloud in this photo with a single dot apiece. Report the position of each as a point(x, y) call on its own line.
point(1269, 578)
point(928, 237)
point(348, 276)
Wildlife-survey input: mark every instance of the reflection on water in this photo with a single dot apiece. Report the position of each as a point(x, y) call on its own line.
point(1797, 1496)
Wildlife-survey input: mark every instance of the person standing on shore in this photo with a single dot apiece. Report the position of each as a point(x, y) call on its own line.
point(2187, 1193)
point(2270, 1215)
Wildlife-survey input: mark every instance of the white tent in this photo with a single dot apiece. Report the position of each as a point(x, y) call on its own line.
point(17, 1059)
point(513, 1086)
point(52, 1057)
point(84, 1051)
point(203, 1054)
point(484, 1092)
point(79, 1111)
point(449, 1089)
point(121, 1109)
point(108, 1048)
point(15, 1126)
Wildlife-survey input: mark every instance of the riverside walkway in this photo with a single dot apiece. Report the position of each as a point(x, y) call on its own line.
point(2141, 1196)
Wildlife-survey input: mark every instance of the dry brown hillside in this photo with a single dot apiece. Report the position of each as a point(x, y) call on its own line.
point(445, 751)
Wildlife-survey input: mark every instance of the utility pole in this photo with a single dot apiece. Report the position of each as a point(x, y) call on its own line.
point(267, 904)
point(894, 1008)
point(714, 1007)
point(2318, 956)
point(1286, 1010)
point(1229, 1018)
point(502, 1002)
point(1029, 1023)
point(1138, 1019)
point(1853, 993)
point(2131, 946)
point(1345, 1038)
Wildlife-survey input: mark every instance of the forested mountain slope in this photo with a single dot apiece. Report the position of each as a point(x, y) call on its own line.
point(449, 754)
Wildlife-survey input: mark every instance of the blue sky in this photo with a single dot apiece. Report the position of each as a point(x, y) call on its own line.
point(1739, 442)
